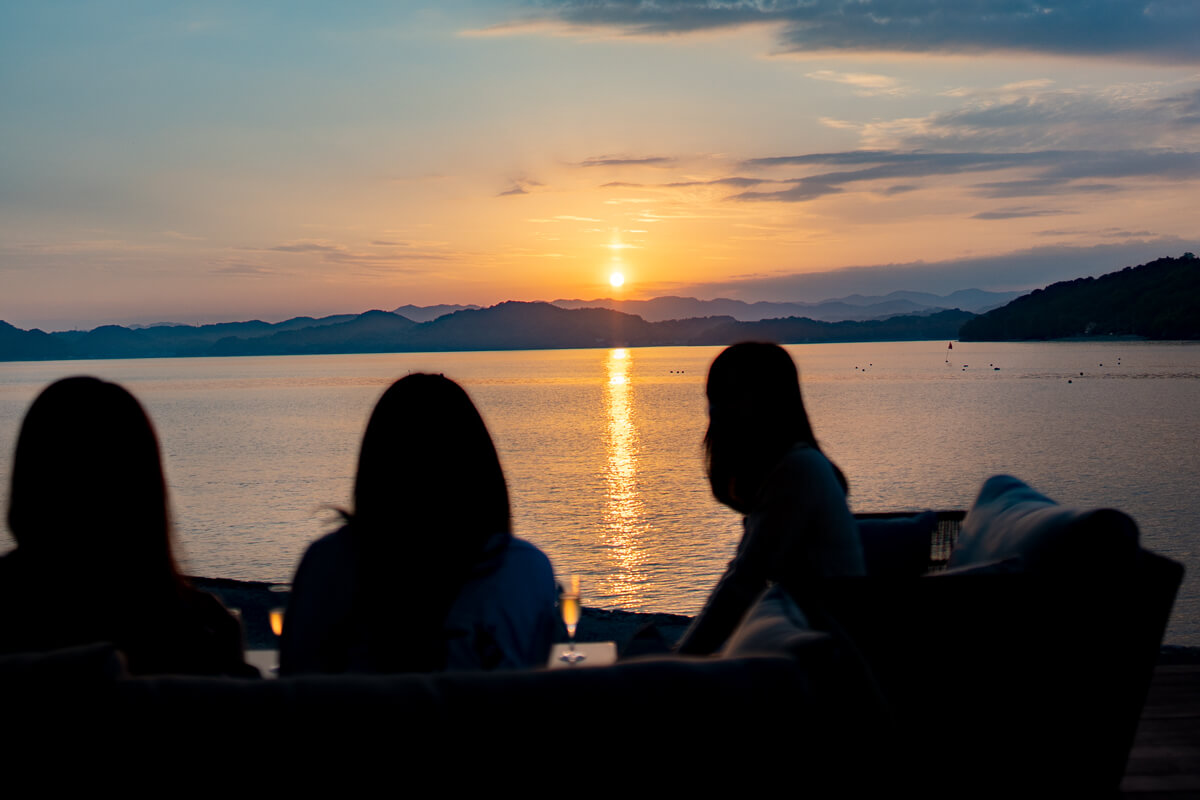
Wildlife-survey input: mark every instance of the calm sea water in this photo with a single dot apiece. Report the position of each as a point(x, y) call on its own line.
point(602, 447)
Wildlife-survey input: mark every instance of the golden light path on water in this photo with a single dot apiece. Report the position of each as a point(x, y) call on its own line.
point(624, 510)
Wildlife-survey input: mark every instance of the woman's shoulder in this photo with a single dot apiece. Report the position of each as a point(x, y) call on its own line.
point(525, 563)
point(329, 553)
point(505, 619)
point(527, 552)
point(332, 543)
point(804, 485)
point(524, 575)
point(804, 460)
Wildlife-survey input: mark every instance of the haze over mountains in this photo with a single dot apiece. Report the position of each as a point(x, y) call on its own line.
point(855, 307)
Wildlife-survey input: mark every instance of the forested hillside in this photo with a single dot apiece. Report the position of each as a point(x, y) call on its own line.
point(1159, 300)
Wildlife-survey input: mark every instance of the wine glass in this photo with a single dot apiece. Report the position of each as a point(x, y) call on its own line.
point(275, 615)
point(568, 606)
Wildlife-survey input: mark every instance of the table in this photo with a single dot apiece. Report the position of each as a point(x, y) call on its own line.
point(596, 654)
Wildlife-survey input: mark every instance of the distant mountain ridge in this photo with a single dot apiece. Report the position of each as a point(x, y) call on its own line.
point(1156, 300)
point(429, 313)
point(506, 326)
point(115, 341)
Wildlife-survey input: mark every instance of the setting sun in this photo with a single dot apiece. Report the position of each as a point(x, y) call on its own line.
point(616, 279)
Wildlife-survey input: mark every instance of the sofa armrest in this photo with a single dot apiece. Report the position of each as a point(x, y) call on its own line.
point(1033, 679)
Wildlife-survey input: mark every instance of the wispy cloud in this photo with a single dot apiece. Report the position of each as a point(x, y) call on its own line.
point(182, 236)
point(1184, 107)
point(1057, 142)
point(97, 247)
point(865, 84)
point(999, 91)
point(246, 270)
point(614, 161)
point(1159, 31)
point(1016, 270)
point(1017, 213)
point(1106, 233)
point(801, 190)
point(1037, 141)
point(883, 165)
point(1122, 116)
point(519, 186)
point(335, 253)
point(307, 247)
point(1039, 187)
point(1054, 171)
point(1116, 233)
point(737, 181)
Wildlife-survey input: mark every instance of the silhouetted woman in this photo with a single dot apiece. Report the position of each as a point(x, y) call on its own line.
point(426, 574)
point(94, 562)
point(763, 461)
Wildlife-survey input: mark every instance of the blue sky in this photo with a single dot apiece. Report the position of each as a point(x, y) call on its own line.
point(204, 161)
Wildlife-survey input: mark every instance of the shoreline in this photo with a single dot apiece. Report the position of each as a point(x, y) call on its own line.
point(254, 600)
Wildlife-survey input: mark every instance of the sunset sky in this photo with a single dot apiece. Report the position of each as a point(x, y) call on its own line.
point(215, 161)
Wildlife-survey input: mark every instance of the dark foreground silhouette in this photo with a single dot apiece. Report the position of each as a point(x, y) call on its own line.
point(764, 461)
point(94, 560)
point(426, 574)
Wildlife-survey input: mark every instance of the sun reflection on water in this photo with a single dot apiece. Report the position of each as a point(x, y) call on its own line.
point(624, 511)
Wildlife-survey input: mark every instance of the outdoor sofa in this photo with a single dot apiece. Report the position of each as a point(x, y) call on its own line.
point(1021, 662)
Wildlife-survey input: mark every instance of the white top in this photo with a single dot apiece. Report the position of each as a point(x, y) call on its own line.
point(513, 607)
point(504, 619)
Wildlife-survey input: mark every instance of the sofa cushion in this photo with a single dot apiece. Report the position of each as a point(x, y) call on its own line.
point(1007, 566)
point(38, 691)
point(897, 546)
point(1010, 519)
point(773, 625)
point(92, 664)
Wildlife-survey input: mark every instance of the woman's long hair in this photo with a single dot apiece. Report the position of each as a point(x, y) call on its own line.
point(88, 495)
point(755, 416)
point(430, 510)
